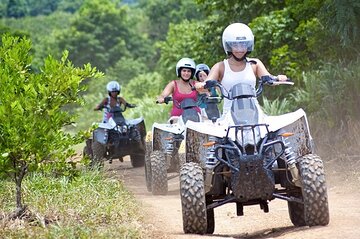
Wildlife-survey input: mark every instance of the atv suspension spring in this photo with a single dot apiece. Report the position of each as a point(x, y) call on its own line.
point(210, 154)
point(289, 153)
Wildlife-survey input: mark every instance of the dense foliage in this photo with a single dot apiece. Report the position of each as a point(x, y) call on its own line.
point(129, 39)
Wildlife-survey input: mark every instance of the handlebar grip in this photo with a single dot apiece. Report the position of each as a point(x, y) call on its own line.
point(166, 100)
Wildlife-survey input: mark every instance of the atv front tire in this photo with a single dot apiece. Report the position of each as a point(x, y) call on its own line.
point(99, 151)
point(193, 202)
point(315, 210)
point(159, 185)
point(296, 211)
point(87, 152)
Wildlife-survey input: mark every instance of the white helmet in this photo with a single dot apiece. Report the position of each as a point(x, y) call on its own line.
point(237, 35)
point(113, 86)
point(201, 67)
point(185, 63)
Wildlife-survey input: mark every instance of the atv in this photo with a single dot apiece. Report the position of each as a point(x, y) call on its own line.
point(117, 138)
point(163, 155)
point(249, 158)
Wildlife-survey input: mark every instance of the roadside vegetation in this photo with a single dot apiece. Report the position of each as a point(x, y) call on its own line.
point(88, 206)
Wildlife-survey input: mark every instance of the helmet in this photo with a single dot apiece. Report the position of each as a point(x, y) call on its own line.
point(185, 63)
point(113, 86)
point(201, 67)
point(237, 35)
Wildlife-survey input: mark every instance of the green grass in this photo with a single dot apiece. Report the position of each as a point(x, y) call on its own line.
point(91, 206)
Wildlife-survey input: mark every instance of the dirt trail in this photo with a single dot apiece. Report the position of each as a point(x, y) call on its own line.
point(163, 213)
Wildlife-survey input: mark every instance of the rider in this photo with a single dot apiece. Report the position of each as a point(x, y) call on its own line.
point(201, 72)
point(238, 43)
point(181, 88)
point(113, 88)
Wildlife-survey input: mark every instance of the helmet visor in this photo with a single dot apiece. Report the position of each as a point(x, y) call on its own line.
point(238, 46)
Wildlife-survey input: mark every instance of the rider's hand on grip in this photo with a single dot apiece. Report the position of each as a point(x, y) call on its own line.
point(165, 100)
point(210, 83)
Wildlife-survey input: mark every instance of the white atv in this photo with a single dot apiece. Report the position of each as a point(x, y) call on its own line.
point(162, 156)
point(249, 158)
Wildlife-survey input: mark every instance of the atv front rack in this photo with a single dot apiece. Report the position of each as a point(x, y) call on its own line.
point(240, 150)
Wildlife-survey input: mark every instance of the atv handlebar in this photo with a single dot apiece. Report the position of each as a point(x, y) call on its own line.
point(264, 80)
point(271, 80)
point(167, 99)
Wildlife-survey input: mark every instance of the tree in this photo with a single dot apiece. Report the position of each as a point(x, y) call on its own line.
point(126, 69)
point(163, 12)
point(32, 113)
point(102, 34)
point(342, 18)
point(180, 42)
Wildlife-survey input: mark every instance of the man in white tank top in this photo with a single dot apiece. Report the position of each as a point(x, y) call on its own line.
point(238, 42)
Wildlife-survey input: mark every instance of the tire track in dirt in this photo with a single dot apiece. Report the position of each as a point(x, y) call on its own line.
point(164, 218)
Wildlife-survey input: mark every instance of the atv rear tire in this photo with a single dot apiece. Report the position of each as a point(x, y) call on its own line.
point(99, 151)
point(159, 185)
point(193, 202)
point(137, 160)
point(210, 217)
point(148, 177)
point(315, 209)
point(148, 166)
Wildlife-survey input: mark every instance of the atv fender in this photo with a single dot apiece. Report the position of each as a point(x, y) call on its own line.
point(99, 135)
point(296, 123)
point(161, 131)
point(134, 121)
point(195, 151)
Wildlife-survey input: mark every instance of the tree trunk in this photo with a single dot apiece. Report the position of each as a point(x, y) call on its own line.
point(18, 178)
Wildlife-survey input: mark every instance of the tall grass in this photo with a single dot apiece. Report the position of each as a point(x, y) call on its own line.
point(331, 98)
point(91, 206)
point(276, 107)
point(332, 93)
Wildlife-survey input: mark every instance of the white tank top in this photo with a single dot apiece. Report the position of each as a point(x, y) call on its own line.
point(231, 78)
point(107, 108)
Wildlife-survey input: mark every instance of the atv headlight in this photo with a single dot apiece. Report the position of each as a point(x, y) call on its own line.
point(248, 136)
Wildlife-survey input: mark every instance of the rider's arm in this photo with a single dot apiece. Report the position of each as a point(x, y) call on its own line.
point(125, 103)
point(214, 73)
point(168, 90)
point(122, 101)
point(260, 70)
point(101, 105)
